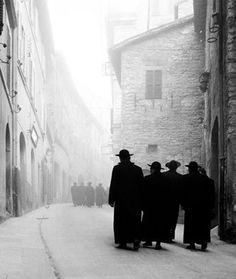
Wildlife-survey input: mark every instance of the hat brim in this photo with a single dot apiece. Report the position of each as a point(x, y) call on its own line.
point(119, 155)
point(195, 167)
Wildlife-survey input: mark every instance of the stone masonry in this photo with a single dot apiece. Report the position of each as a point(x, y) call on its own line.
point(231, 106)
point(175, 122)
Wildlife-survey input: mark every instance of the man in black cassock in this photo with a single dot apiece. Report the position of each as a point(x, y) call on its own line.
point(100, 195)
point(74, 194)
point(124, 195)
point(156, 220)
point(175, 181)
point(81, 194)
point(198, 202)
point(90, 195)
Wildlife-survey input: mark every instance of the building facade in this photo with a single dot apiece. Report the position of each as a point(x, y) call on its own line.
point(48, 138)
point(214, 25)
point(161, 109)
point(216, 19)
point(7, 75)
point(78, 138)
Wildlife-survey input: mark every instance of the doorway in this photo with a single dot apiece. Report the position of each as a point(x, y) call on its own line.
point(21, 191)
point(8, 171)
point(214, 170)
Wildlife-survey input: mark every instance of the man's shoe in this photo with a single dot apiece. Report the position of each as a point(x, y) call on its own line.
point(121, 246)
point(191, 247)
point(147, 243)
point(204, 246)
point(136, 246)
point(158, 246)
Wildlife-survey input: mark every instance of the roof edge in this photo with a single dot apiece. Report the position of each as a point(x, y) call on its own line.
point(152, 32)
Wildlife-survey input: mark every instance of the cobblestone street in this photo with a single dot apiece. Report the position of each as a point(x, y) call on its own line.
point(72, 242)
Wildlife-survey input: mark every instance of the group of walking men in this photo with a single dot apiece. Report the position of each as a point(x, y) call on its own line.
point(146, 208)
point(87, 196)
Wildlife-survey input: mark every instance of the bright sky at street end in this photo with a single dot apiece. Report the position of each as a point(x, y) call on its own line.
point(79, 34)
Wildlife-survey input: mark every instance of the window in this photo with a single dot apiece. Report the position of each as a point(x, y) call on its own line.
point(153, 84)
point(9, 54)
point(22, 48)
point(31, 76)
point(214, 6)
point(1, 16)
point(152, 148)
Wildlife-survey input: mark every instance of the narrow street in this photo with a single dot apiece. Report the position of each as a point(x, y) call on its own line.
point(68, 242)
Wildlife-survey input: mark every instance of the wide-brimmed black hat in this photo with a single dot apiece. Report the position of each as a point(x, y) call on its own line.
point(156, 165)
point(192, 165)
point(124, 154)
point(173, 164)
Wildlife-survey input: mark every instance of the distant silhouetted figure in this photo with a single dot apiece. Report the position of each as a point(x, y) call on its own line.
point(198, 202)
point(90, 195)
point(74, 194)
point(106, 195)
point(175, 181)
point(100, 195)
point(155, 222)
point(81, 194)
point(124, 195)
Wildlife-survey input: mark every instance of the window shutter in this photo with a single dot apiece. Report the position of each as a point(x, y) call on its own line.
point(158, 84)
point(149, 84)
point(153, 84)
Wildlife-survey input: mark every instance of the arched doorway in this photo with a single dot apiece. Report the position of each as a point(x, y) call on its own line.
point(8, 170)
point(21, 192)
point(214, 171)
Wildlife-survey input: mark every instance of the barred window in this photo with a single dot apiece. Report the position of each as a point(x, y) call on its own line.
point(153, 84)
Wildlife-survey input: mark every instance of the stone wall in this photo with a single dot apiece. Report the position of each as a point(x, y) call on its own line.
point(220, 113)
point(230, 72)
point(175, 122)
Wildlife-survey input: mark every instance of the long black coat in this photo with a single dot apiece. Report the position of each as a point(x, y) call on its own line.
point(175, 186)
point(198, 202)
point(125, 189)
point(90, 196)
point(100, 195)
point(156, 217)
point(74, 190)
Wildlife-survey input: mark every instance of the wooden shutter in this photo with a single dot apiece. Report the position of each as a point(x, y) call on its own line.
point(149, 84)
point(153, 84)
point(158, 84)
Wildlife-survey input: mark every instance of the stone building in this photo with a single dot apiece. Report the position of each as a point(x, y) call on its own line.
point(44, 144)
point(214, 26)
point(161, 109)
point(78, 138)
point(31, 122)
point(216, 19)
point(7, 26)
